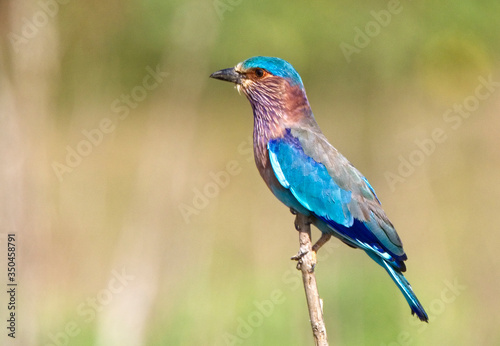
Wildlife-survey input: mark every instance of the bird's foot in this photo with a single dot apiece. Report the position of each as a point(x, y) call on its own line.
point(297, 223)
point(321, 241)
point(293, 211)
point(299, 257)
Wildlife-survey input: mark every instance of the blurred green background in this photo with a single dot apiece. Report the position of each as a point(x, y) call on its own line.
point(128, 179)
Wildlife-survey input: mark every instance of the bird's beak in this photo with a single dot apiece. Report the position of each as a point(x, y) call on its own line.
point(228, 75)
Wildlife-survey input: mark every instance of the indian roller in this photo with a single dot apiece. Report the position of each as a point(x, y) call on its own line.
point(307, 174)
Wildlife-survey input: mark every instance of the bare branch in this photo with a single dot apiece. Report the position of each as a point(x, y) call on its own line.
point(306, 262)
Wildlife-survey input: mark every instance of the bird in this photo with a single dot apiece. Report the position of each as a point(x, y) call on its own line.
point(310, 176)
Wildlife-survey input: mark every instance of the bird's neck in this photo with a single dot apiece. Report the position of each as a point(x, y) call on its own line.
point(271, 119)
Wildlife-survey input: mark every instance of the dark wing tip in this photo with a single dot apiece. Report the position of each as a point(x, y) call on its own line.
point(421, 314)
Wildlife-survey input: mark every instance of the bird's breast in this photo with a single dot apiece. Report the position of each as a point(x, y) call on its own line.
point(261, 156)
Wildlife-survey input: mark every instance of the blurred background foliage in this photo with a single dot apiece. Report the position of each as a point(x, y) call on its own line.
point(199, 277)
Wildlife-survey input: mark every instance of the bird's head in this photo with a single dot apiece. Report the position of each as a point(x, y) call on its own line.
point(267, 82)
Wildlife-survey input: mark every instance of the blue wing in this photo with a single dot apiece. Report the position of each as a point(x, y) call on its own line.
point(324, 183)
point(328, 186)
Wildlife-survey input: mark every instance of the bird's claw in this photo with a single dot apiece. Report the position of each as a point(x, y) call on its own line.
point(299, 255)
point(299, 258)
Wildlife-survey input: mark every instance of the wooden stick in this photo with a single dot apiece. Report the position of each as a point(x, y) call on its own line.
point(306, 261)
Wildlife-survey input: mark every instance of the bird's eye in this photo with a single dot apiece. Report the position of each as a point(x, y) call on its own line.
point(259, 73)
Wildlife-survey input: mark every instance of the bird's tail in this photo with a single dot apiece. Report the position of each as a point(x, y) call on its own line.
point(404, 286)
